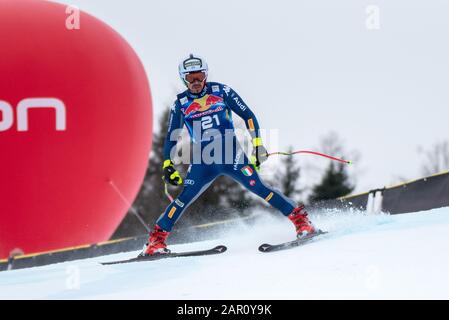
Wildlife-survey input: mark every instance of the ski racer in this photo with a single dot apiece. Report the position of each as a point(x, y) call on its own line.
point(206, 108)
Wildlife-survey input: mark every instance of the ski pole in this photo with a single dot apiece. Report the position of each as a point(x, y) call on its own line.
point(167, 193)
point(134, 211)
point(309, 152)
point(284, 154)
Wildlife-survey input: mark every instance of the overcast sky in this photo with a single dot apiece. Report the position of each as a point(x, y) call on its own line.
point(307, 68)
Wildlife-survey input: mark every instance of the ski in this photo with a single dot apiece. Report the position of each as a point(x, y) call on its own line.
point(216, 250)
point(290, 244)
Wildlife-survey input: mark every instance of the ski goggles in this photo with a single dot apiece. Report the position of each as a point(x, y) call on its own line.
point(195, 76)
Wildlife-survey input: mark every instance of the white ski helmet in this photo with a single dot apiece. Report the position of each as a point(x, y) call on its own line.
point(192, 63)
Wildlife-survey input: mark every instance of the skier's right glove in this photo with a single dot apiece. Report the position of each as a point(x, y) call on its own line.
point(171, 175)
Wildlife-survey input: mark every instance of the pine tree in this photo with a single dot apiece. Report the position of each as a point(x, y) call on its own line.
point(334, 184)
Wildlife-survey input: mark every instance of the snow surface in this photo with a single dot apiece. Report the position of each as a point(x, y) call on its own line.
point(363, 257)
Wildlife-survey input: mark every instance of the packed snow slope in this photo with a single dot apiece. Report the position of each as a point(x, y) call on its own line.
point(363, 257)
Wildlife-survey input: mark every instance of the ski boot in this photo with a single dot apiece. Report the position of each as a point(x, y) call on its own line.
point(304, 228)
point(156, 243)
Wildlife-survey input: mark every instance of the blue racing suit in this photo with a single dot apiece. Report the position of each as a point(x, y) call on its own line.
point(216, 151)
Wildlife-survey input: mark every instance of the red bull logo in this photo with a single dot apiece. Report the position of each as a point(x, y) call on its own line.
point(211, 100)
point(194, 107)
point(202, 104)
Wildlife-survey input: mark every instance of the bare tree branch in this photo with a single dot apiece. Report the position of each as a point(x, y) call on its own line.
point(436, 158)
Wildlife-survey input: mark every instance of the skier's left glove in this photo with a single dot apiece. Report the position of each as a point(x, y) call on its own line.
point(259, 155)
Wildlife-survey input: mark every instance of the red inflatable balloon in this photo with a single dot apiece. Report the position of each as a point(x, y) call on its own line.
point(75, 127)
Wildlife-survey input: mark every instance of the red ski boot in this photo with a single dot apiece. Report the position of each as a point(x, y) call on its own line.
point(303, 225)
point(156, 242)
